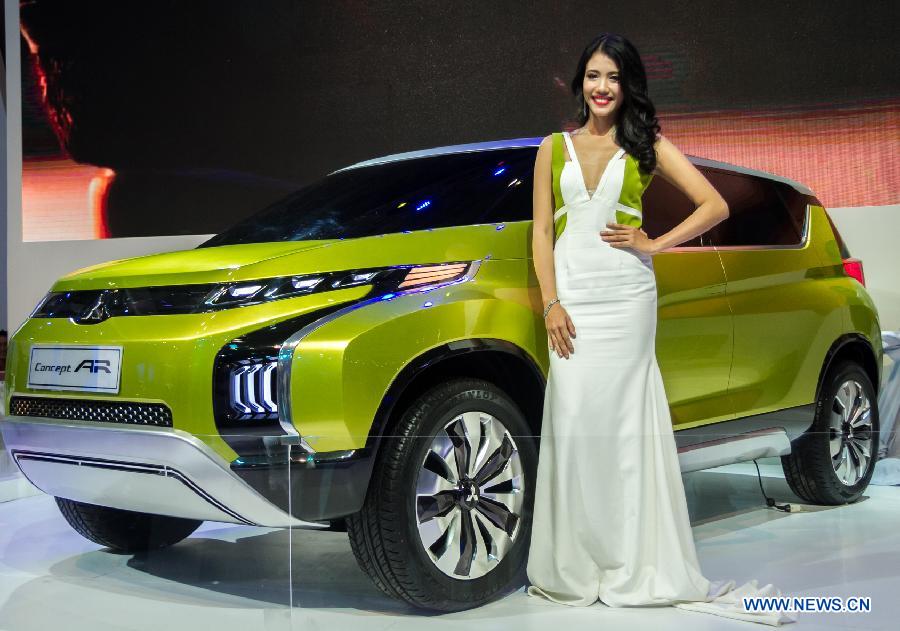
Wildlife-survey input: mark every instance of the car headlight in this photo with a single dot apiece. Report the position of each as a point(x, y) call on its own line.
point(389, 279)
point(95, 305)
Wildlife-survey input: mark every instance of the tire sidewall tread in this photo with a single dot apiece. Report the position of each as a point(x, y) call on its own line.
point(389, 511)
point(808, 467)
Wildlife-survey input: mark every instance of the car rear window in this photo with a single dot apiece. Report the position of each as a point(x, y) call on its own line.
point(415, 194)
point(761, 211)
point(664, 207)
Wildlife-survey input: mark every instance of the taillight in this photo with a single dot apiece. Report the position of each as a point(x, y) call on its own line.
point(854, 268)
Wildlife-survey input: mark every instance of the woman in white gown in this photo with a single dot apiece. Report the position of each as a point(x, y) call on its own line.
point(610, 515)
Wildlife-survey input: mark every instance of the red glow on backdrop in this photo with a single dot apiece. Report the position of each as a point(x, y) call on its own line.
point(98, 194)
point(56, 118)
point(658, 68)
point(846, 156)
point(63, 200)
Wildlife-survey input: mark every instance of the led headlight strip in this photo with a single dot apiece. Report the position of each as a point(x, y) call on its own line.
point(252, 390)
point(92, 306)
point(383, 280)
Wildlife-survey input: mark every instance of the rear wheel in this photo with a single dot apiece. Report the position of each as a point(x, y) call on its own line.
point(447, 519)
point(833, 461)
point(125, 531)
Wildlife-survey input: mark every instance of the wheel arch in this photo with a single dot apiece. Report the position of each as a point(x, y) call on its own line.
point(500, 362)
point(851, 346)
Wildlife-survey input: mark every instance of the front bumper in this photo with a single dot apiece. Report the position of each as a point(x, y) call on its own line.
point(154, 470)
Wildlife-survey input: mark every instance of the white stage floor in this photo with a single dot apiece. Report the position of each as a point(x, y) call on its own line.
point(233, 577)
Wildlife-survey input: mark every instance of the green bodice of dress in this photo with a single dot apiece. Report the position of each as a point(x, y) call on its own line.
point(629, 210)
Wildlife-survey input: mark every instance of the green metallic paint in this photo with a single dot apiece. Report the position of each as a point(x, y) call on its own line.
point(789, 305)
point(694, 335)
point(166, 359)
point(356, 357)
point(267, 260)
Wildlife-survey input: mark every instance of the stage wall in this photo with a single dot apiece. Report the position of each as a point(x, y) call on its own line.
point(749, 105)
point(123, 145)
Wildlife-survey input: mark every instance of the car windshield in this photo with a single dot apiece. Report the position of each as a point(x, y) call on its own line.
point(415, 194)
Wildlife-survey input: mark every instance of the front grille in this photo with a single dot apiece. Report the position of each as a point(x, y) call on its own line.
point(126, 412)
point(94, 305)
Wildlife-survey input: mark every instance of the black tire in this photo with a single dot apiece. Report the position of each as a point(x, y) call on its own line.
point(385, 536)
point(808, 468)
point(122, 530)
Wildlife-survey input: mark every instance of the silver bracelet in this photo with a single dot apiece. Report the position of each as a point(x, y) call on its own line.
point(550, 304)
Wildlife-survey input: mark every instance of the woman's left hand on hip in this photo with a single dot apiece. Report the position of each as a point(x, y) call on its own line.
point(621, 236)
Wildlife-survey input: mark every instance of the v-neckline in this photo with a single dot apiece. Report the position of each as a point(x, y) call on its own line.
point(574, 159)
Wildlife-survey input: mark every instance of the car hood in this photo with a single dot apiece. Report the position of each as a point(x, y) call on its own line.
point(229, 263)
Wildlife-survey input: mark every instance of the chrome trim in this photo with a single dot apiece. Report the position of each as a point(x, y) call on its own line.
point(725, 166)
point(127, 467)
point(146, 469)
point(286, 354)
point(804, 240)
point(688, 248)
point(520, 143)
point(513, 143)
point(763, 443)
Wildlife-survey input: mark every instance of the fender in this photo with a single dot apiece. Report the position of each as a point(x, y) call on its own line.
point(431, 361)
point(870, 359)
point(330, 485)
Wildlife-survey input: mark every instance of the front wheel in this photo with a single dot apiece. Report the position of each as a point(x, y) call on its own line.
point(447, 520)
point(122, 530)
point(833, 461)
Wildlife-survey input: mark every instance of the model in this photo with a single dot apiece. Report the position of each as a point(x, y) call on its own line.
point(606, 416)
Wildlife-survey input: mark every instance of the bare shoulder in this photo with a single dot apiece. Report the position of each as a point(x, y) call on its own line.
point(663, 145)
point(544, 150)
point(677, 169)
point(669, 158)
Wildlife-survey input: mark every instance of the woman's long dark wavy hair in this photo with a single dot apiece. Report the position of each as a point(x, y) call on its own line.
point(636, 125)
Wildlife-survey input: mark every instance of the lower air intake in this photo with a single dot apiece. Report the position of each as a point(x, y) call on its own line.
point(125, 412)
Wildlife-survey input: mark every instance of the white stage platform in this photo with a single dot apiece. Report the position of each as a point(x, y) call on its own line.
point(234, 577)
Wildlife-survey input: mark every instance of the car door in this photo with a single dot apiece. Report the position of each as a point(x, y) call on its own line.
point(694, 328)
point(779, 312)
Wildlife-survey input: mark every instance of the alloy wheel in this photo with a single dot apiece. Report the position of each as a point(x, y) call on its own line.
point(470, 495)
point(850, 432)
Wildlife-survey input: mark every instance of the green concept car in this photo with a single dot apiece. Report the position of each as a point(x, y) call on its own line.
point(370, 351)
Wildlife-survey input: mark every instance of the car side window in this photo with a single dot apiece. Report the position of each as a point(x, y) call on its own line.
point(664, 207)
point(761, 211)
point(513, 201)
point(418, 194)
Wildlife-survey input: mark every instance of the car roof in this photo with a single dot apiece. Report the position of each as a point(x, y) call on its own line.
point(514, 143)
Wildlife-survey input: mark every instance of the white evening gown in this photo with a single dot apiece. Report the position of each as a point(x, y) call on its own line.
point(610, 515)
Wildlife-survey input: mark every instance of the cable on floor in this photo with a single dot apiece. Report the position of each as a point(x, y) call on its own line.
point(770, 502)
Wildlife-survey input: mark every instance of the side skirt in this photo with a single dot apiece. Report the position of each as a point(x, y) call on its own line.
point(747, 438)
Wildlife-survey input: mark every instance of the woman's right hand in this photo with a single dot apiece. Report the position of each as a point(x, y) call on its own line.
point(560, 330)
